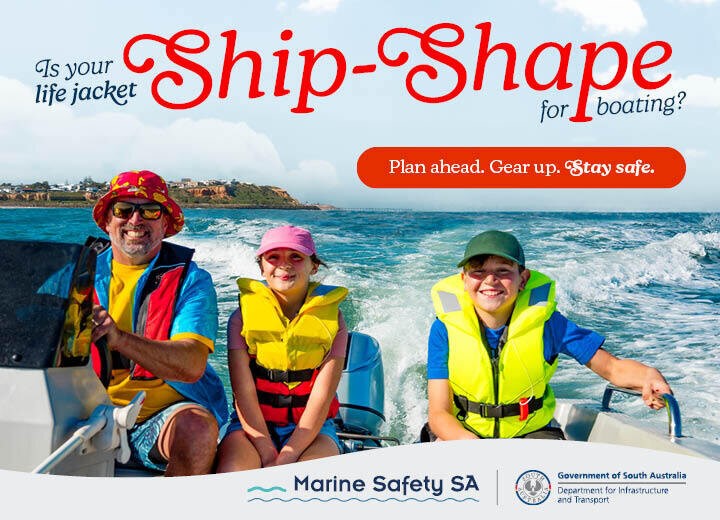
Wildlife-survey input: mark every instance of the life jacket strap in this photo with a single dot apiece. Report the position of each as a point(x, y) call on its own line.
point(281, 376)
point(496, 411)
point(282, 400)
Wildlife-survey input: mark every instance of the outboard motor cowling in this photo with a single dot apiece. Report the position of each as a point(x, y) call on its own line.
point(361, 391)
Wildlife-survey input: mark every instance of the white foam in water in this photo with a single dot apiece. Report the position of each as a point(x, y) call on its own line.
point(603, 276)
point(619, 284)
point(657, 324)
point(399, 314)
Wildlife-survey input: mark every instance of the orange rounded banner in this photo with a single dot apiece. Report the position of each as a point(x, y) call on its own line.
point(521, 167)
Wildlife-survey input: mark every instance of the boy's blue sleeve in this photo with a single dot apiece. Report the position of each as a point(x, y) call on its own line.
point(437, 365)
point(562, 336)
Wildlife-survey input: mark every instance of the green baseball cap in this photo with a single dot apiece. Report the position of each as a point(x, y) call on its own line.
point(497, 243)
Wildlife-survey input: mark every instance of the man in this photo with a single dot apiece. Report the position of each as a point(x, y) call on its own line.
point(495, 346)
point(158, 314)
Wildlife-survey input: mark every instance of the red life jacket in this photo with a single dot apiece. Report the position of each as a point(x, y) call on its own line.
point(281, 404)
point(155, 305)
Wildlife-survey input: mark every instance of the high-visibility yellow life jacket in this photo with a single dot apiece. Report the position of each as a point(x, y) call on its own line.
point(509, 395)
point(286, 354)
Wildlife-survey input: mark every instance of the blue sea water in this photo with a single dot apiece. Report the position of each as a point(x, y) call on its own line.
point(649, 282)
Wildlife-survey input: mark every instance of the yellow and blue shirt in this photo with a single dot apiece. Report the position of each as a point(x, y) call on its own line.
point(194, 316)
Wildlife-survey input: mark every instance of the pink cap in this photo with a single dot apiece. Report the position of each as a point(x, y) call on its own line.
point(287, 237)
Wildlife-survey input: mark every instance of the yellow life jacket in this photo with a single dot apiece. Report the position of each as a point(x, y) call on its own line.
point(508, 396)
point(286, 354)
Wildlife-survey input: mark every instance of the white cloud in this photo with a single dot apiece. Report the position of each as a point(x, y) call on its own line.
point(614, 16)
point(700, 91)
point(322, 171)
point(606, 76)
point(207, 148)
point(319, 6)
point(38, 142)
point(324, 185)
point(694, 153)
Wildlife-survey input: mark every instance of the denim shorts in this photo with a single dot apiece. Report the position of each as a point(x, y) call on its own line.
point(281, 434)
point(143, 439)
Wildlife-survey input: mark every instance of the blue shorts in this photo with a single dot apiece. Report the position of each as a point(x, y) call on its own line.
point(143, 439)
point(281, 434)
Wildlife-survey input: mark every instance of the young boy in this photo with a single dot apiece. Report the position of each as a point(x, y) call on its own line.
point(494, 347)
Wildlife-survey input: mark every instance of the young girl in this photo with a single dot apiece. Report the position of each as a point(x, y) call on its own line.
point(286, 352)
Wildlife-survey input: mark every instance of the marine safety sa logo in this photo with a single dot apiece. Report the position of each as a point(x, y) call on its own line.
point(532, 487)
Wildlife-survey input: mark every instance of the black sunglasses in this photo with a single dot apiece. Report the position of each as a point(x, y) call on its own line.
point(125, 210)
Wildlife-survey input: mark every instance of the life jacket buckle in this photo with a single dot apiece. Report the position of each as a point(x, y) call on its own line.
point(277, 376)
point(524, 407)
point(283, 401)
point(461, 402)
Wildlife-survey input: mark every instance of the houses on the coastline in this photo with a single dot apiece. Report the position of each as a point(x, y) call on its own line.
point(186, 191)
point(86, 189)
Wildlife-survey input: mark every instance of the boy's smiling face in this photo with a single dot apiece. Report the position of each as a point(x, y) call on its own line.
point(493, 286)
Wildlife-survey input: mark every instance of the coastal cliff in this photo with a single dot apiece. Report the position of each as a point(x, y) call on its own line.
point(188, 194)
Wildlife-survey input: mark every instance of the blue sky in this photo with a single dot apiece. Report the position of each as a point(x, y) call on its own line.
point(314, 155)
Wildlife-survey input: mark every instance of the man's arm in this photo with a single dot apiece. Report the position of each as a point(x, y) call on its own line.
point(175, 360)
point(628, 373)
point(440, 417)
point(184, 356)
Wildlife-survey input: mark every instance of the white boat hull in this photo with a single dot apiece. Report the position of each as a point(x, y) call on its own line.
point(587, 421)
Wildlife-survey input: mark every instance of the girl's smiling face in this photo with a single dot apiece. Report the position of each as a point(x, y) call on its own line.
point(287, 271)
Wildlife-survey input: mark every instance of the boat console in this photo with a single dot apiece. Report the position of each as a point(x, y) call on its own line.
point(55, 415)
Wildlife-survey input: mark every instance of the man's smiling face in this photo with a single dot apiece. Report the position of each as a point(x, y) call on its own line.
point(135, 240)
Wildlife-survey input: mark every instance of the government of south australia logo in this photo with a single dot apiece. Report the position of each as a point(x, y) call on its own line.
point(532, 487)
